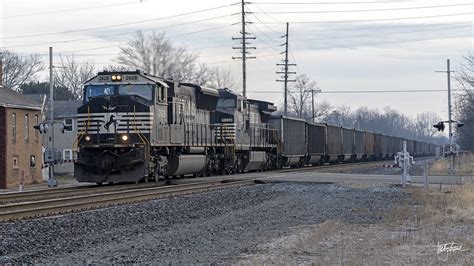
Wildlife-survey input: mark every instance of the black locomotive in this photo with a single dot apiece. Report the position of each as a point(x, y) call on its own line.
point(133, 126)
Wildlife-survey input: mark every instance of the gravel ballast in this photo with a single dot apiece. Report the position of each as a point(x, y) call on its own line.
point(204, 228)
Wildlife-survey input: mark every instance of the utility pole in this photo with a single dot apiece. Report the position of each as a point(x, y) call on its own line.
point(285, 71)
point(313, 91)
point(244, 48)
point(51, 180)
point(450, 121)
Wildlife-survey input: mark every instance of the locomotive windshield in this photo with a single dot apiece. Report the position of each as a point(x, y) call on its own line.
point(141, 90)
point(226, 103)
point(98, 90)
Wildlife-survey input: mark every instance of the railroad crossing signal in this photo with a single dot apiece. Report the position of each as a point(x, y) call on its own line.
point(439, 126)
point(42, 127)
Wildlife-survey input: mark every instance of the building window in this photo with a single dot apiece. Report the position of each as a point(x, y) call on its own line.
point(14, 126)
point(74, 155)
point(36, 123)
point(32, 161)
point(15, 162)
point(68, 122)
point(27, 127)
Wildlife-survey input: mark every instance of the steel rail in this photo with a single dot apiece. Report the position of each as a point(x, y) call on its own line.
point(40, 194)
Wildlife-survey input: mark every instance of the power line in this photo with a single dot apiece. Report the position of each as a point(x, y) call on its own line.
point(372, 20)
point(384, 26)
point(122, 33)
point(324, 3)
point(70, 10)
point(171, 36)
point(364, 10)
point(390, 42)
point(375, 34)
point(117, 25)
point(362, 91)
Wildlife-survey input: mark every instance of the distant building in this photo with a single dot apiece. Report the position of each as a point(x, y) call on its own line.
point(64, 112)
point(20, 144)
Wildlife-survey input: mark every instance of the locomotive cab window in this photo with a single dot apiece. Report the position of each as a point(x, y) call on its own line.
point(226, 103)
point(98, 90)
point(142, 90)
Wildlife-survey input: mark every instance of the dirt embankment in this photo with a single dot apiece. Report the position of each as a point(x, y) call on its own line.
point(436, 227)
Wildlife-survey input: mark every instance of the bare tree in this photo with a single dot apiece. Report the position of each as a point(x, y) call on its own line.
point(300, 95)
point(72, 74)
point(223, 78)
point(465, 102)
point(423, 125)
point(203, 75)
point(18, 69)
point(322, 110)
point(159, 56)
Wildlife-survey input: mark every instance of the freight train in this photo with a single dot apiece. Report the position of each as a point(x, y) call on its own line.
point(134, 127)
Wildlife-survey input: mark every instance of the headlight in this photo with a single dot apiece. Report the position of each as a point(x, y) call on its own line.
point(124, 137)
point(88, 138)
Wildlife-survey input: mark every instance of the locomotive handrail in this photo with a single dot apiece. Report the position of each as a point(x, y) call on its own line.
point(81, 134)
point(140, 135)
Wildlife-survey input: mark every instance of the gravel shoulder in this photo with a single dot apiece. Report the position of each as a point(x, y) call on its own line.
point(216, 227)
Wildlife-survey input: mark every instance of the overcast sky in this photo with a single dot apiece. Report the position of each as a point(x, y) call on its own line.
point(386, 45)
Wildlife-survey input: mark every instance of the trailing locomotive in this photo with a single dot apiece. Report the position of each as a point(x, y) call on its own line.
point(133, 126)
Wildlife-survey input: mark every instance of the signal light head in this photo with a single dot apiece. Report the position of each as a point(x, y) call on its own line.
point(439, 126)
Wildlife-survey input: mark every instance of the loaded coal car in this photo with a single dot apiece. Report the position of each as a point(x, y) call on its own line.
point(347, 144)
point(292, 140)
point(384, 144)
point(133, 126)
point(378, 146)
point(334, 152)
point(316, 137)
point(369, 145)
point(359, 145)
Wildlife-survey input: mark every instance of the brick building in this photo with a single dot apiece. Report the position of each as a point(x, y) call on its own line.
point(20, 143)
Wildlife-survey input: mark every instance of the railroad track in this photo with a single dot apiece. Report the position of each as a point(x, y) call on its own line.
point(337, 168)
point(19, 210)
point(45, 202)
point(43, 194)
point(35, 195)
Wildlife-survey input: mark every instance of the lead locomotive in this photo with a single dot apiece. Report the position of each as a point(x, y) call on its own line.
point(133, 126)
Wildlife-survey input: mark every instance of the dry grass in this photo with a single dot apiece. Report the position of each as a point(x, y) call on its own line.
point(406, 236)
point(464, 164)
